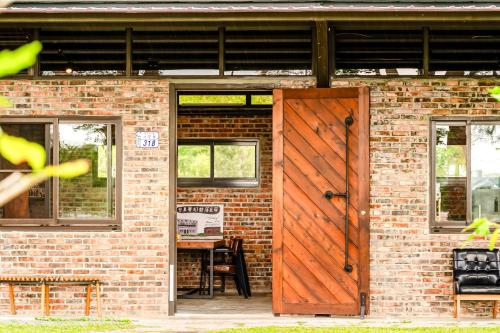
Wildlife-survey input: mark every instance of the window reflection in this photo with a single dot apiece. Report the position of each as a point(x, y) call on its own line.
point(485, 172)
point(93, 194)
point(451, 173)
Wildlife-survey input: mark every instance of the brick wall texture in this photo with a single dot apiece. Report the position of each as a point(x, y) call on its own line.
point(410, 267)
point(133, 263)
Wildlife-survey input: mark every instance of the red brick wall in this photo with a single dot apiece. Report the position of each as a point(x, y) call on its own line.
point(411, 269)
point(133, 263)
point(247, 211)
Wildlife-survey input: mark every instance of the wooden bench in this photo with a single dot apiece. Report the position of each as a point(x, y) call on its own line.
point(45, 281)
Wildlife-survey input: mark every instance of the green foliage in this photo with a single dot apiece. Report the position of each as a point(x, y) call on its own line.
point(354, 329)
point(482, 228)
point(234, 161)
point(230, 161)
point(212, 99)
point(450, 156)
point(18, 150)
point(12, 62)
point(495, 93)
point(69, 169)
point(193, 161)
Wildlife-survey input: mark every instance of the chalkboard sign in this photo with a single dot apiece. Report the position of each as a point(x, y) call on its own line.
point(200, 221)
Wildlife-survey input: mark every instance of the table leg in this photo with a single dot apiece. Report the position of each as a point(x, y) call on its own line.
point(12, 300)
point(211, 273)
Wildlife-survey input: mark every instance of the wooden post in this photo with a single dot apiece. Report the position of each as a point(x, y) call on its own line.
point(47, 300)
point(43, 299)
point(12, 300)
point(87, 299)
point(455, 312)
point(495, 309)
point(98, 298)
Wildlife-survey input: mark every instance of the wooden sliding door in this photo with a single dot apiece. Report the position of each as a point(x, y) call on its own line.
point(310, 272)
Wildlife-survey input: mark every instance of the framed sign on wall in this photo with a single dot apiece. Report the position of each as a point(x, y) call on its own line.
point(200, 221)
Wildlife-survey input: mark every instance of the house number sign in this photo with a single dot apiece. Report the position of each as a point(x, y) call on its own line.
point(146, 139)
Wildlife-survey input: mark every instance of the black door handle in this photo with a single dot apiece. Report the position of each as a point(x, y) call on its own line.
point(329, 195)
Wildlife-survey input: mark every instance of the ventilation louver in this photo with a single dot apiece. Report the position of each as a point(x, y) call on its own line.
point(268, 52)
point(457, 51)
point(175, 52)
point(378, 52)
point(83, 52)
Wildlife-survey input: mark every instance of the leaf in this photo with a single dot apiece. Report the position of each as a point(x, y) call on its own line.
point(18, 150)
point(12, 62)
point(68, 170)
point(5, 103)
point(494, 238)
point(495, 93)
point(483, 229)
point(475, 224)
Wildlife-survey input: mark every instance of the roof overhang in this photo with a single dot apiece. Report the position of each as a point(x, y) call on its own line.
point(256, 10)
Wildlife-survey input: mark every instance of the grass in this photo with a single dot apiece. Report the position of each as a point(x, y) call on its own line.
point(302, 329)
point(58, 325)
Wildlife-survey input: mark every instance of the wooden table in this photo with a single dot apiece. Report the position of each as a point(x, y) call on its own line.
point(201, 245)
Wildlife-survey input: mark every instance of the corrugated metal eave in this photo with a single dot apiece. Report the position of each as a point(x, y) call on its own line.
point(247, 9)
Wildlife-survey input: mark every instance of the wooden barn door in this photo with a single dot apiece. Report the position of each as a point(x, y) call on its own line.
point(309, 202)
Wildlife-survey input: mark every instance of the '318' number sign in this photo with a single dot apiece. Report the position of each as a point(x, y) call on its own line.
point(146, 139)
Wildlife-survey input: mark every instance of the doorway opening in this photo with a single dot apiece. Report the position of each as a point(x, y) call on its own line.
point(285, 177)
point(224, 191)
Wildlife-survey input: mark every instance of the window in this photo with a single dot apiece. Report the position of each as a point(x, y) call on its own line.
point(218, 163)
point(465, 172)
point(90, 201)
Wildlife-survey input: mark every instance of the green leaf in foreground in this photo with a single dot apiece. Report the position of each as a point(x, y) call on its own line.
point(5, 103)
point(12, 62)
point(68, 170)
point(18, 150)
point(493, 239)
point(495, 93)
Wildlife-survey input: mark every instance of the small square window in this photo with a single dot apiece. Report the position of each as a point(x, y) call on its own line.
point(218, 163)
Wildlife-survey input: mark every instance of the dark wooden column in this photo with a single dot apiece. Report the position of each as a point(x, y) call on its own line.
point(321, 55)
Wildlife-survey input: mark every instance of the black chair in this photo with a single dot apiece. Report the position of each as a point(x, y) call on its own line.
point(476, 276)
point(231, 263)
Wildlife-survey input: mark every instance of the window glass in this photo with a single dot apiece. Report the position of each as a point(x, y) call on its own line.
point(193, 161)
point(36, 203)
point(451, 173)
point(262, 99)
point(485, 171)
point(234, 161)
point(212, 99)
point(93, 194)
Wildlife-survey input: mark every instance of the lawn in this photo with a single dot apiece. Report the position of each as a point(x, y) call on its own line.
point(64, 326)
point(301, 329)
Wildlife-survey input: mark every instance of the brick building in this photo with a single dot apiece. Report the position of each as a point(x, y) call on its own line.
point(111, 70)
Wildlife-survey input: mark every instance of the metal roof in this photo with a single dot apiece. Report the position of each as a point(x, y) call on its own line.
point(193, 6)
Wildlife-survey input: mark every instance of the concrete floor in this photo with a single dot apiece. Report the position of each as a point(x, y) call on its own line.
point(226, 305)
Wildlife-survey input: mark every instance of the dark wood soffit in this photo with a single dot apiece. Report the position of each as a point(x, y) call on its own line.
point(130, 19)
